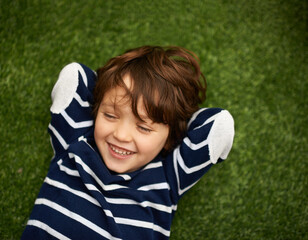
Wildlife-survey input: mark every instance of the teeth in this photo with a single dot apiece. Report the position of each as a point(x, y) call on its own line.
point(120, 152)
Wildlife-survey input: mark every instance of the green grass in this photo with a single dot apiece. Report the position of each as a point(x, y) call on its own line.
point(253, 54)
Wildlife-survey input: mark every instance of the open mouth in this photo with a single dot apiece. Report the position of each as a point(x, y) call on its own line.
point(120, 151)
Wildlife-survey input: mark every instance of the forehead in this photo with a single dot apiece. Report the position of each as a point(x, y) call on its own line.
point(118, 99)
point(118, 94)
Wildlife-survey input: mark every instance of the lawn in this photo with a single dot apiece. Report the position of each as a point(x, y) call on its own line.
point(253, 54)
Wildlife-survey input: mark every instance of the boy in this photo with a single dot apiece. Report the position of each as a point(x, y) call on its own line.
point(121, 175)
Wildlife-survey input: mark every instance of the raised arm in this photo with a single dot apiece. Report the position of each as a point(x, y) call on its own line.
point(71, 106)
point(209, 140)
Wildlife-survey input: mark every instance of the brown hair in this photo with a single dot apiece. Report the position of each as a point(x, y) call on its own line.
point(169, 81)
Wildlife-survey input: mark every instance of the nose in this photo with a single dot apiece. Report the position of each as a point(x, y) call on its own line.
point(123, 132)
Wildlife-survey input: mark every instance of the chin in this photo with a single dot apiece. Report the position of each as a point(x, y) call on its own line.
point(116, 169)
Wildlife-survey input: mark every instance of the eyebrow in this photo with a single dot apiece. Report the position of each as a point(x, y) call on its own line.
point(144, 117)
point(114, 106)
point(109, 104)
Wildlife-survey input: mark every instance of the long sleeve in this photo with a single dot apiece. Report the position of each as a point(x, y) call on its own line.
point(209, 140)
point(81, 199)
point(71, 106)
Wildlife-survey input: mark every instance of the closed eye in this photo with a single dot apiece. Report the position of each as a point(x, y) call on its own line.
point(109, 116)
point(143, 129)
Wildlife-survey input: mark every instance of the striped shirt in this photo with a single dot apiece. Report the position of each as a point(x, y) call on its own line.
point(81, 199)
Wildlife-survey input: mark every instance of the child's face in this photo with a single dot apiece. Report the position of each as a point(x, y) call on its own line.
point(126, 143)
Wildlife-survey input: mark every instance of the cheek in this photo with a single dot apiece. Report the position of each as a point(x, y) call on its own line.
point(100, 130)
point(145, 146)
point(97, 135)
point(151, 146)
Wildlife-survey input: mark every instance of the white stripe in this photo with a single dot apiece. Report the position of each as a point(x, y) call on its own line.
point(90, 172)
point(194, 146)
point(108, 213)
point(83, 74)
point(181, 191)
point(176, 170)
point(144, 204)
point(176, 156)
point(211, 119)
point(153, 165)
point(91, 187)
point(186, 169)
point(125, 176)
point(58, 136)
point(156, 186)
point(157, 206)
point(85, 140)
point(48, 229)
point(67, 170)
point(74, 124)
point(52, 146)
point(138, 223)
point(80, 101)
point(194, 116)
point(197, 146)
point(71, 190)
point(74, 216)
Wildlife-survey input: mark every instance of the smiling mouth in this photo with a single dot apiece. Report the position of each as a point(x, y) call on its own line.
point(120, 151)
